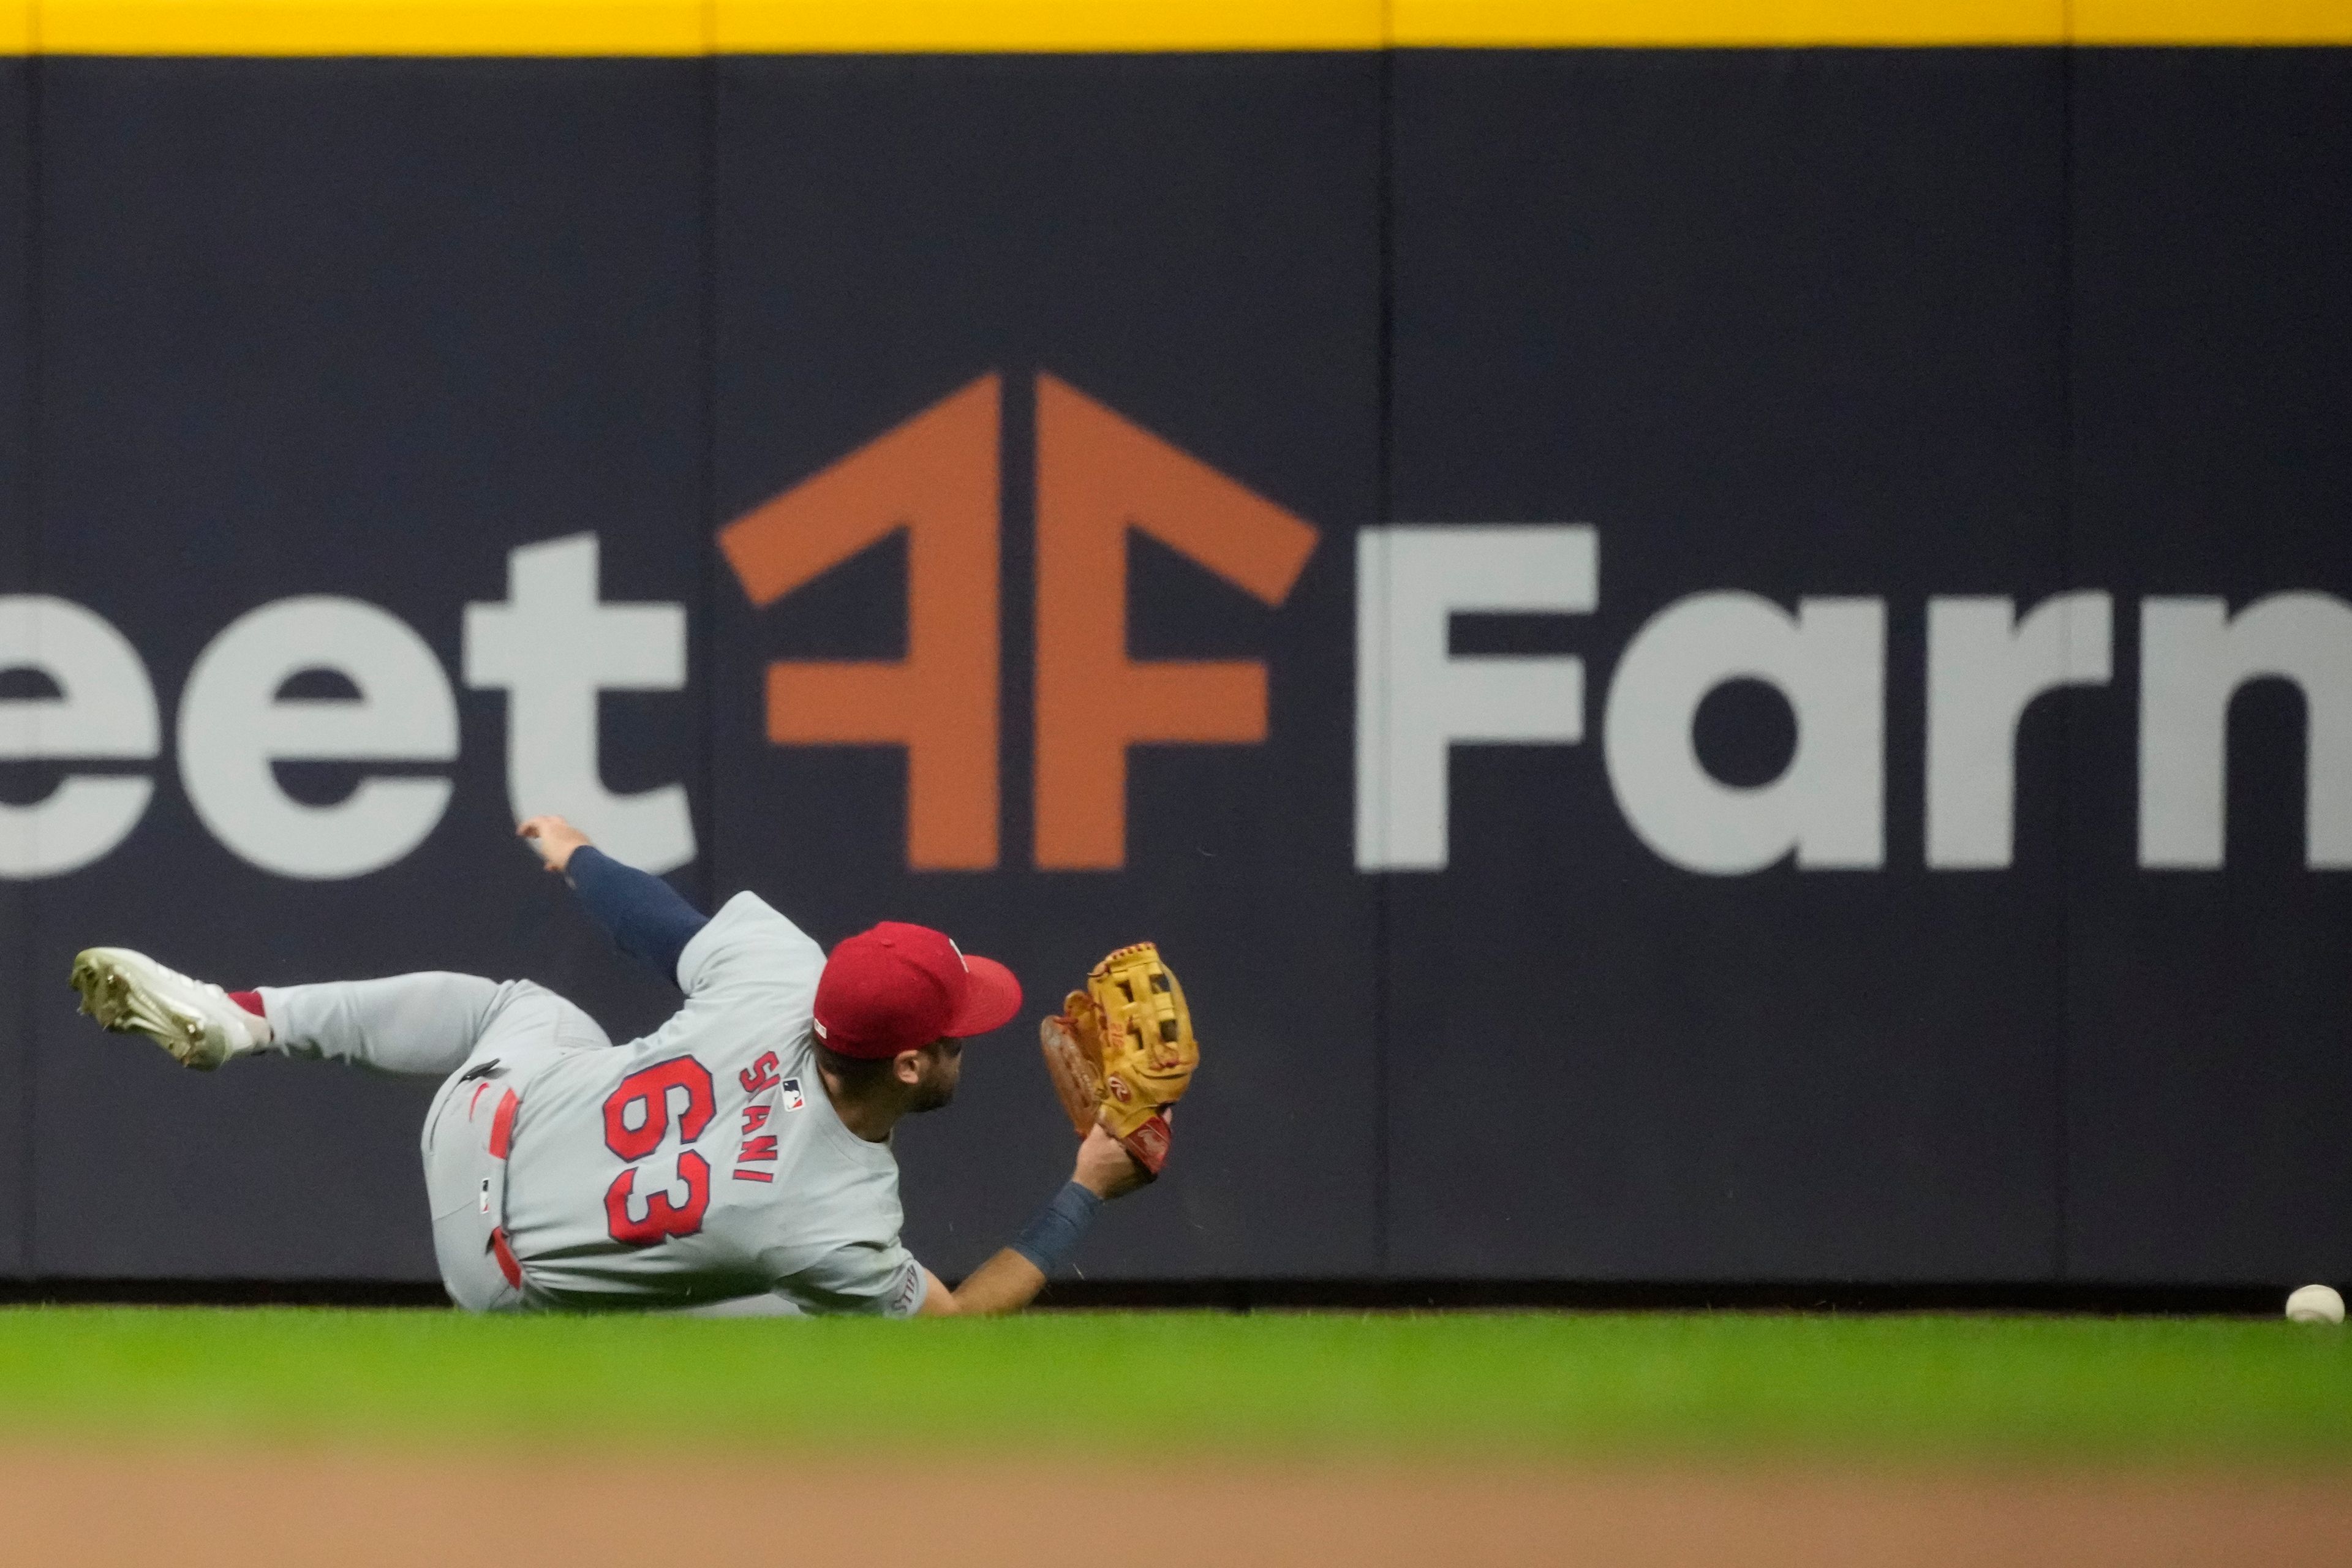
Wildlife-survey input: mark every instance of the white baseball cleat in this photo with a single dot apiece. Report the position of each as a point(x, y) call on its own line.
point(129, 991)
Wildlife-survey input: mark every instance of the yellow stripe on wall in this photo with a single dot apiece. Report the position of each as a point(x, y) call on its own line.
point(369, 27)
point(2211, 22)
point(1540, 23)
point(1569, 24)
point(685, 27)
point(1040, 26)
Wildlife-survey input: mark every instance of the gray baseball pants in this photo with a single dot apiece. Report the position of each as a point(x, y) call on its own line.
point(488, 1038)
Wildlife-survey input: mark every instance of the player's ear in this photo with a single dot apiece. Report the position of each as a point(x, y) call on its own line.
point(906, 1066)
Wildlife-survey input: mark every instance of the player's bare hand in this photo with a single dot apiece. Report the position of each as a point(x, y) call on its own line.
point(554, 838)
point(1105, 1169)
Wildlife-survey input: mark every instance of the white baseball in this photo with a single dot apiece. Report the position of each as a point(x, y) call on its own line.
point(2315, 1304)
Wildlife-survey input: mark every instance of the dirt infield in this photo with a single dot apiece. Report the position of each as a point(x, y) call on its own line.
point(247, 1508)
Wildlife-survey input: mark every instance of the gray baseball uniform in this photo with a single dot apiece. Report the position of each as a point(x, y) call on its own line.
point(702, 1166)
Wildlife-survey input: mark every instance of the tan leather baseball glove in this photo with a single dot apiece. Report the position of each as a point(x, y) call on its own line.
point(1122, 1051)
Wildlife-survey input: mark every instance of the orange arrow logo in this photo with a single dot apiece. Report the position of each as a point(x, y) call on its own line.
point(937, 475)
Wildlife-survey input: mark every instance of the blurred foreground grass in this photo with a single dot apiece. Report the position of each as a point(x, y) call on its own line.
point(1461, 1384)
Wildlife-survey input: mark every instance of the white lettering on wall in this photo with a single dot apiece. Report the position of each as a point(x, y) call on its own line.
point(104, 708)
point(2194, 655)
point(1416, 700)
point(1985, 668)
point(234, 725)
point(1828, 660)
point(553, 645)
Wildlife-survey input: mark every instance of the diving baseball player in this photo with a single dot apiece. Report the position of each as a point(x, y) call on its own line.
point(737, 1159)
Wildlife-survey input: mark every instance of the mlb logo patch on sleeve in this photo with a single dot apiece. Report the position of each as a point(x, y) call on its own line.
point(788, 1097)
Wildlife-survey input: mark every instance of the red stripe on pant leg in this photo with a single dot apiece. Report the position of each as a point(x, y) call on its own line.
point(502, 1126)
point(507, 1264)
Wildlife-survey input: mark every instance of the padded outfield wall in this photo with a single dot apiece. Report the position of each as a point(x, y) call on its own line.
point(1717, 658)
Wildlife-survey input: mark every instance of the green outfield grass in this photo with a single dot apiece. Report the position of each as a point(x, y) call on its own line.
point(1466, 1383)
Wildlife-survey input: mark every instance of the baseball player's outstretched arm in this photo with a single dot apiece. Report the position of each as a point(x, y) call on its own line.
point(643, 915)
point(1011, 1280)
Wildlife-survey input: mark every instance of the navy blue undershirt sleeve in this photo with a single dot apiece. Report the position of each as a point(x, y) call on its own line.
point(1048, 1240)
point(643, 914)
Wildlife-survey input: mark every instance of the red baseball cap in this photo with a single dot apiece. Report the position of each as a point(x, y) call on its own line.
point(898, 987)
